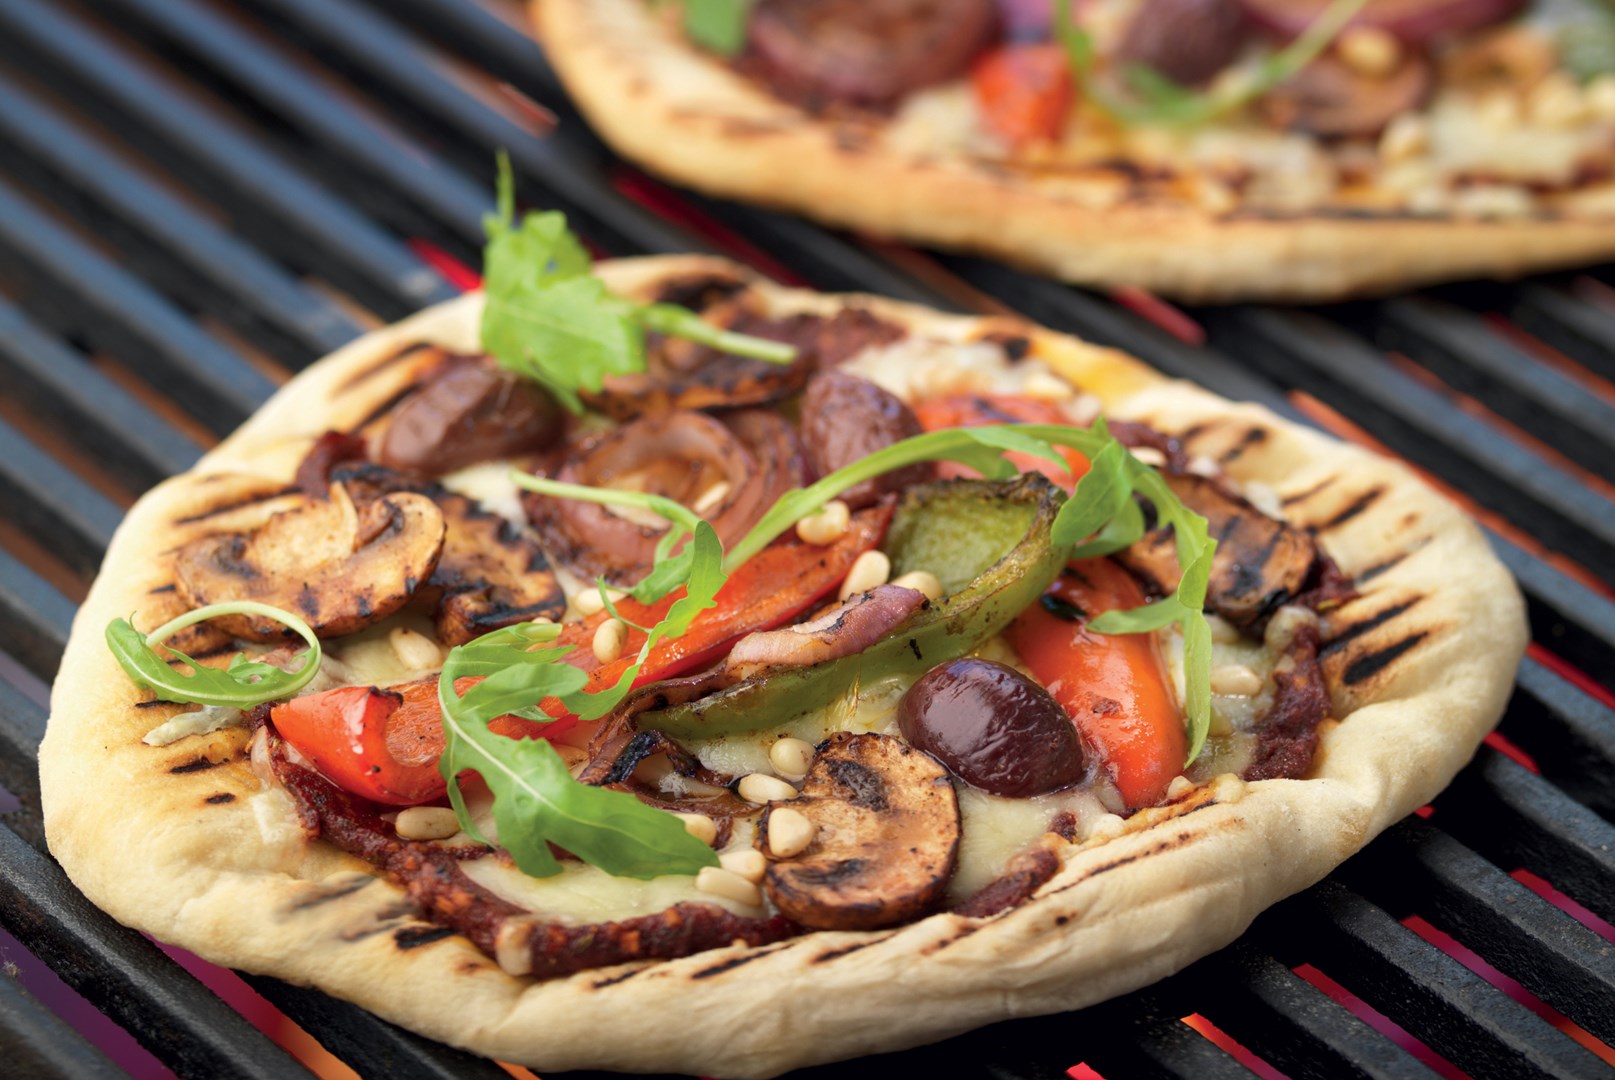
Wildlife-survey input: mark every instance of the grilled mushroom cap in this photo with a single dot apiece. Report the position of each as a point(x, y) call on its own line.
point(886, 842)
point(1261, 563)
point(340, 567)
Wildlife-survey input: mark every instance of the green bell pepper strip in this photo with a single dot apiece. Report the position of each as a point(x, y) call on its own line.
point(1006, 566)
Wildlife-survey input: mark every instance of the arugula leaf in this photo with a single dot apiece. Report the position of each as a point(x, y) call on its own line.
point(242, 685)
point(719, 25)
point(536, 800)
point(547, 317)
point(1156, 100)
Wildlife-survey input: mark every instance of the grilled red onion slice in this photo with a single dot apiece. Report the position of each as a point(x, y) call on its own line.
point(842, 631)
point(728, 471)
point(1412, 21)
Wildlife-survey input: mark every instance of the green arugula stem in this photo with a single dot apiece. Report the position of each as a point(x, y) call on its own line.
point(243, 684)
point(675, 321)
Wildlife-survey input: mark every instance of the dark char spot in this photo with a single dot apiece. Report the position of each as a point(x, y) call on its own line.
point(601, 984)
point(863, 785)
point(831, 875)
point(1366, 667)
point(201, 764)
point(413, 937)
point(1355, 507)
point(727, 965)
point(221, 797)
point(1347, 634)
point(1062, 609)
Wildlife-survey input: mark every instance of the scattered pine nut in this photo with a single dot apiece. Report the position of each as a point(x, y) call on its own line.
point(922, 581)
point(761, 788)
point(711, 498)
point(588, 602)
point(699, 826)
point(513, 946)
point(790, 832)
point(870, 570)
point(1047, 387)
point(1236, 679)
point(748, 863)
point(426, 823)
point(609, 639)
point(1179, 787)
point(729, 885)
point(827, 526)
point(791, 758)
point(414, 650)
point(1370, 51)
point(1149, 455)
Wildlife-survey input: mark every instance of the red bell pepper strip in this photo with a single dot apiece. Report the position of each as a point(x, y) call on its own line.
point(1114, 686)
point(975, 410)
point(1024, 92)
point(384, 744)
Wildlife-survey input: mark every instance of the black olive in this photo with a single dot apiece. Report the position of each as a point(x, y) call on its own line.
point(993, 728)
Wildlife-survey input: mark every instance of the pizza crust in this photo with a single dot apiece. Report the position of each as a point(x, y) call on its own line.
point(684, 115)
point(203, 856)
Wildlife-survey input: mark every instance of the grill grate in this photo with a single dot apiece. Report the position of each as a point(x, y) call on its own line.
point(198, 197)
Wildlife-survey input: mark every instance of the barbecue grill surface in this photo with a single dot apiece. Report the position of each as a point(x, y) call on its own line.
point(197, 199)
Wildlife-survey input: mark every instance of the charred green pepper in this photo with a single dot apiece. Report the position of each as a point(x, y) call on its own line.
point(991, 545)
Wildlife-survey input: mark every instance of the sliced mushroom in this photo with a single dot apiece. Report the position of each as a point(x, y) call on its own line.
point(490, 574)
point(1329, 98)
point(341, 567)
point(1261, 563)
point(886, 840)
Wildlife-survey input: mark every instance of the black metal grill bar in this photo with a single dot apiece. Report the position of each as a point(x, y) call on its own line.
point(1296, 1026)
point(1416, 868)
point(1472, 359)
point(22, 726)
point(1570, 735)
point(1324, 360)
point(33, 618)
point(1445, 1005)
point(40, 1046)
point(171, 1014)
point(280, 209)
point(1566, 616)
point(165, 240)
point(396, 68)
point(49, 501)
point(1581, 330)
point(1516, 818)
point(57, 384)
point(122, 314)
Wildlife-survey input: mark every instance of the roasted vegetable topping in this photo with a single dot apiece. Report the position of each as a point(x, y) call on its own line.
point(885, 836)
point(1188, 41)
point(340, 567)
point(845, 419)
point(466, 413)
point(993, 728)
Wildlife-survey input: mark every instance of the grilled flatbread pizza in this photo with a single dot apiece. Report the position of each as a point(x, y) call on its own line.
point(952, 646)
point(1209, 150)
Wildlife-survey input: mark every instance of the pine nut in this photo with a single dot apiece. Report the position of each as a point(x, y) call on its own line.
point(414, 650)
point(1047, 387)
point(870, 570)
point(699, 826)
point(512, 946)
point(1148, 455)
point(761, 788)
point(748, 863)
point(1557, 101)
point(426, 823)
point(791, 758)
point(1203, 465)
point(827, 526)
point(921, 581)
point(1407, 136)
point(1236, 679)
point(790, 832)
point(1106, 827)
point(711, 498)
point(1371, 51)
point(609, 639)
point(1222, 631)
point(588, 602)
point(1179, 787)
point(729, 885)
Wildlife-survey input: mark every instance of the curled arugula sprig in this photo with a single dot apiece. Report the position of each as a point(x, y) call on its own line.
point(546, 316)
point(536, 800)
point(241, 685)
point(1157, 100)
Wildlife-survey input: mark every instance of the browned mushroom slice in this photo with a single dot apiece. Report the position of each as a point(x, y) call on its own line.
point(1261, 563)
point(468, 411)
point(885, 836)
point(339, 566)
point(490, 575)
point(1329, 98)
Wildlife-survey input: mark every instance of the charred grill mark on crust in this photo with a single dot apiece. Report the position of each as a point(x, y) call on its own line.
point(413, 937)
point(326, 895)
point(1157, 848)
point(846, 950)
point(1303, 496)
point(201, 764)
point(1371, 664)
point(963, 932)
point(1347, 634)
point(1252, 437)
point(1353, 508)
point(1369, 573)
point(152, 704)
point(236, 504)
point(601, 984)
point(378, 366)
point(733, 962)
point(170, 587)
point(220, 799)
